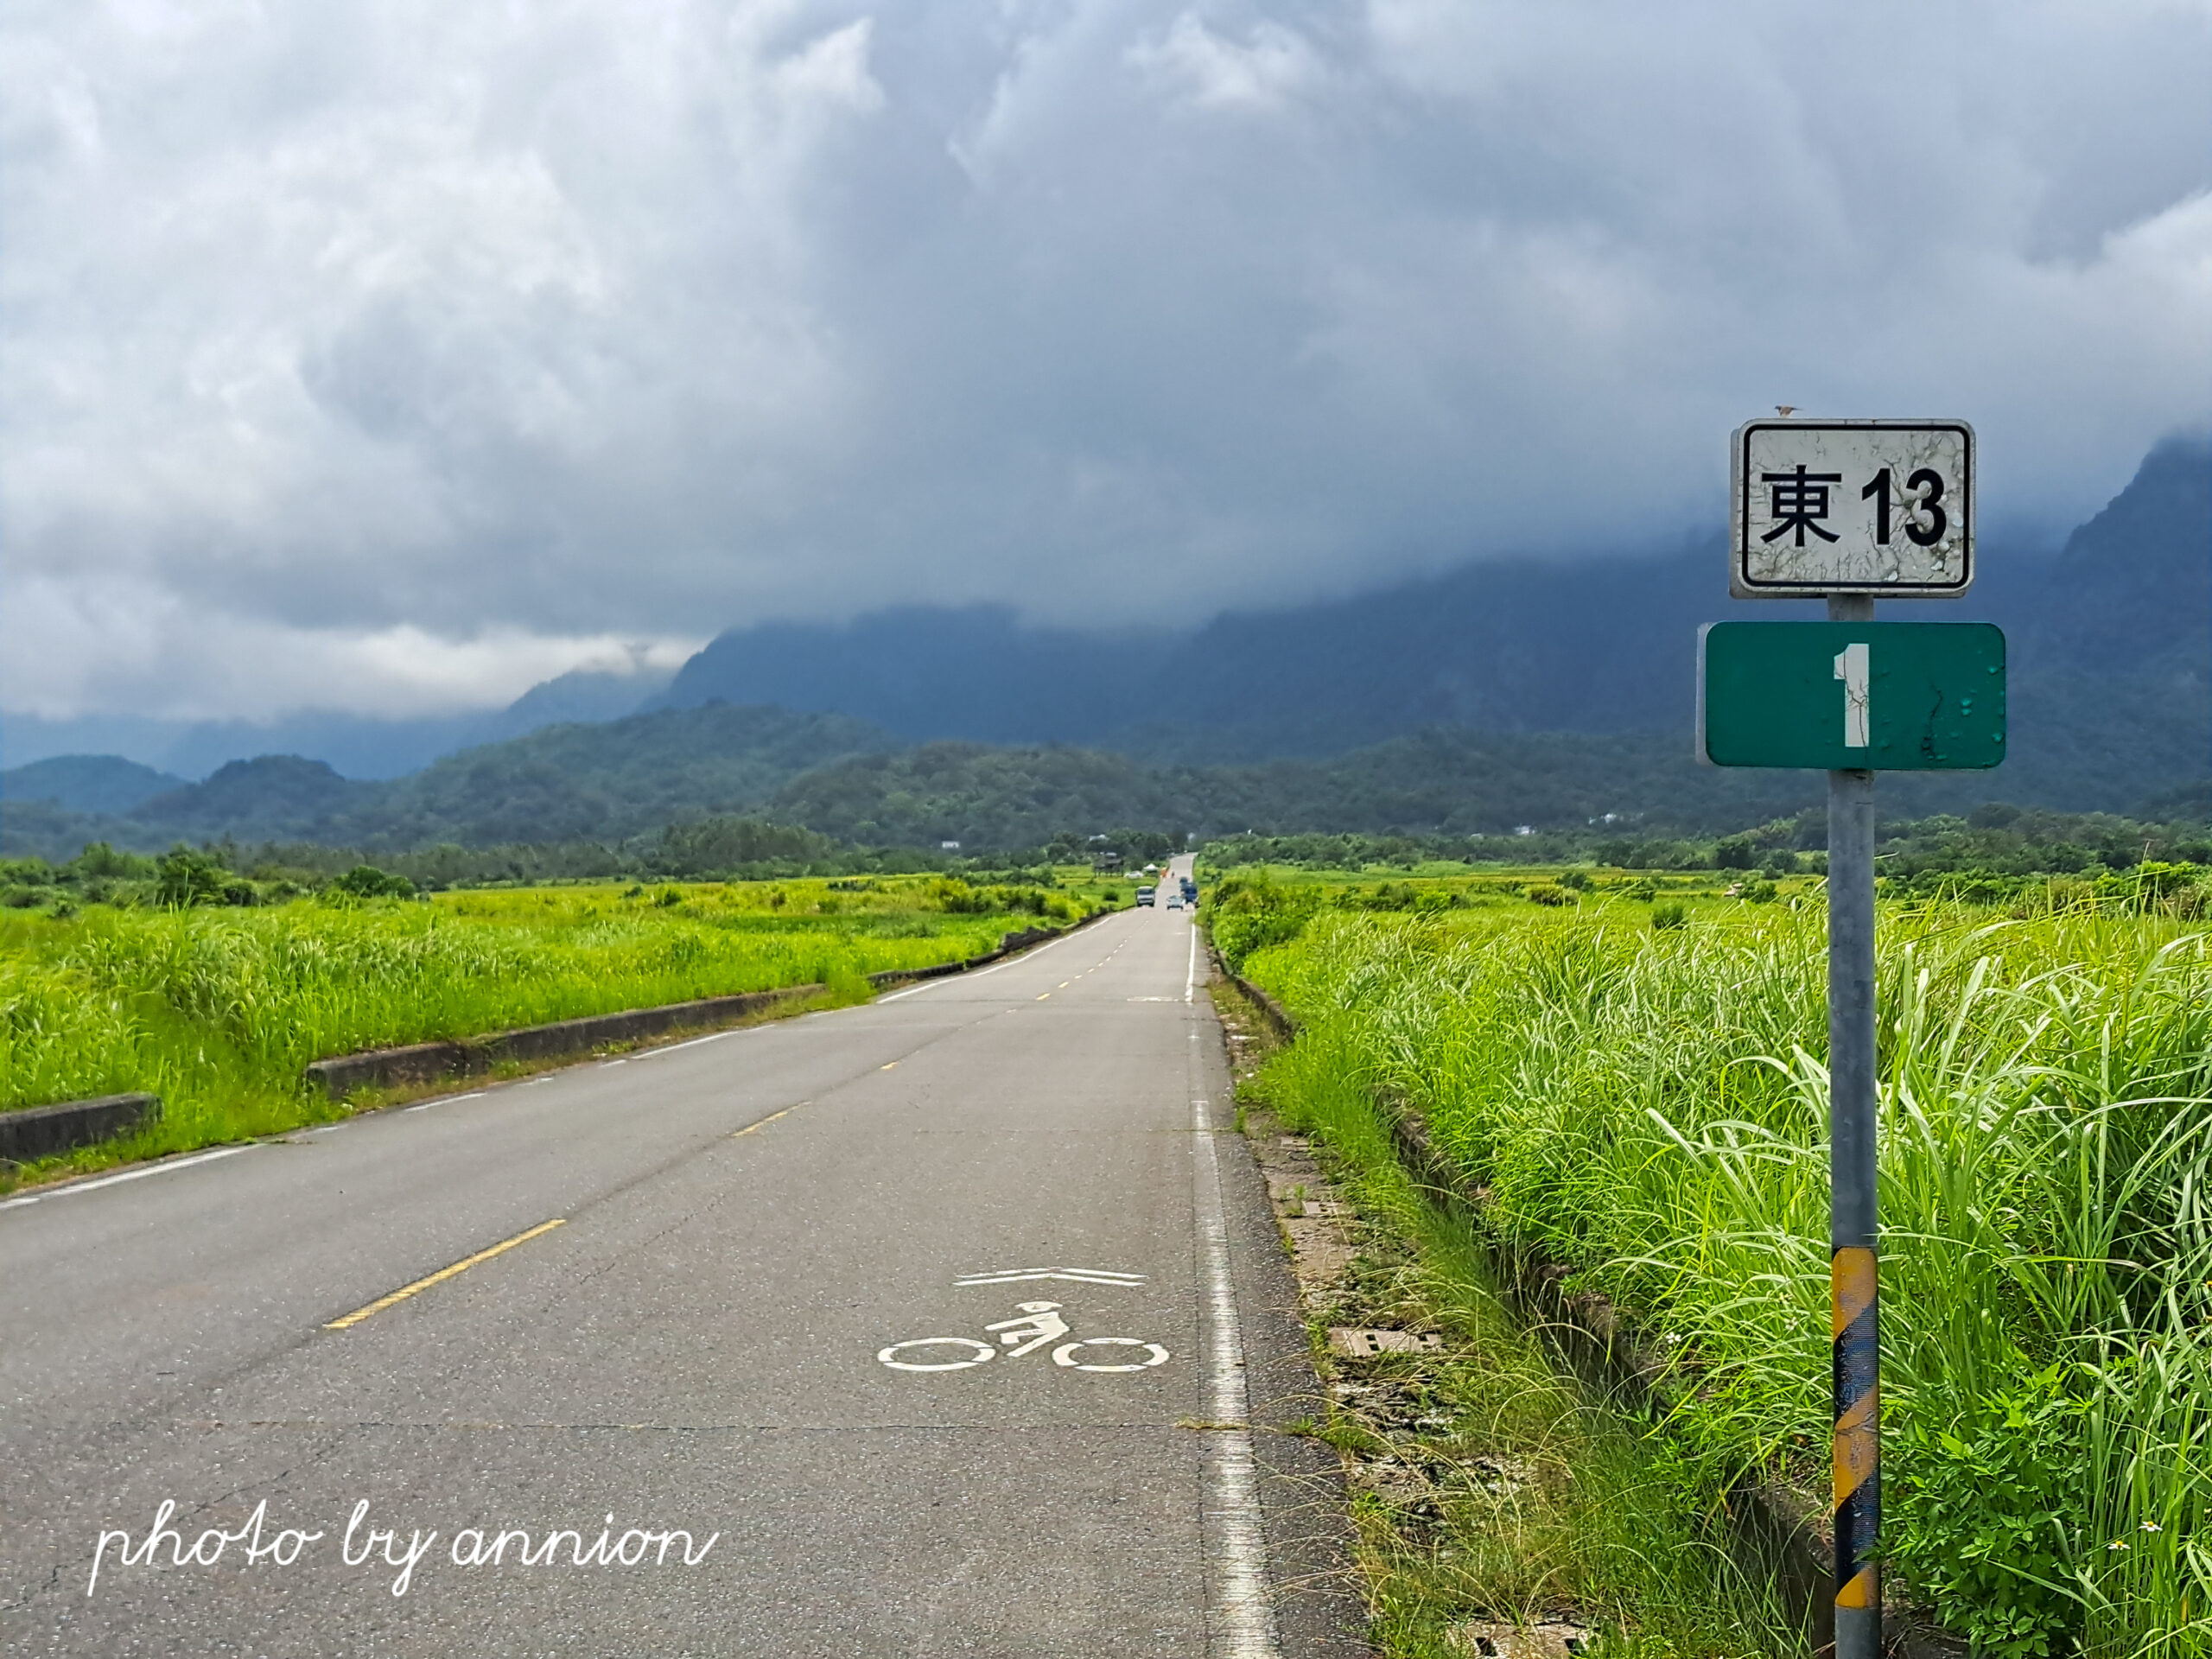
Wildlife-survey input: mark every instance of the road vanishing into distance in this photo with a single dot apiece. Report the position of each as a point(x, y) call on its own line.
point(931, 1327)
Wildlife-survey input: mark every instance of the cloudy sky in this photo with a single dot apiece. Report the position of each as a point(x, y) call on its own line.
point(391, 355)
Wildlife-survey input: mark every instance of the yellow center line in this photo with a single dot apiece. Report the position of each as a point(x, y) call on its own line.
point(887, 1068)
point(766, 1122)
point(442, 1275)
point(1042, 998)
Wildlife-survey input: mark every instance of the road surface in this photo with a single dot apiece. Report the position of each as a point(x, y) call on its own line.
point(700, 1352)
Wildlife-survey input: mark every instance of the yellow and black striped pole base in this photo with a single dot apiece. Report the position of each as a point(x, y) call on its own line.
point(1854, 1303)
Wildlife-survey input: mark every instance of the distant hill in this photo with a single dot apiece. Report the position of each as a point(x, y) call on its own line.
point(1592, 645)
point(1495, 695)
point(2111, 647)
point(276, 797)
point(562, 784)
point(86, 782)
point(624, 778)
point(357, 745)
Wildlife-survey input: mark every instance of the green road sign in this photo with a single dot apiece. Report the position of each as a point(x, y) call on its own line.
point(1837, 696)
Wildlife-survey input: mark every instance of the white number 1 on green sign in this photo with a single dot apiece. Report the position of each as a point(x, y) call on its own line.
point(1851, 667)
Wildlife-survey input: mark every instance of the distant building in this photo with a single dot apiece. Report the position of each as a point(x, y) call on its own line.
point(949, 846)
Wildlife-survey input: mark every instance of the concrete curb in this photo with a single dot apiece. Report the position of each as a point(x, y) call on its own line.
point(47, 1131)
point(418, 1063)
point(383, 1068)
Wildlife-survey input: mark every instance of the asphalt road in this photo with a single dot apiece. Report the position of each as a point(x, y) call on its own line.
point(706, 1346)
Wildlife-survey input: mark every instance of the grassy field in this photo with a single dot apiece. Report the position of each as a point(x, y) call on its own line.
point(218, 1009)
point(1647, 1106)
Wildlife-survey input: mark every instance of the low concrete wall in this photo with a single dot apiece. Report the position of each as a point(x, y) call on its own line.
point(1009, 943)
point(48, 1131)
point(1270, 1010)
point(386, 1068)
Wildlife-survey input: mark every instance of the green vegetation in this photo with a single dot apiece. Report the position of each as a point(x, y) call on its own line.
point(217, 1006)
point(1645, 1106)
point(748, 849)
point(1634, 798)
point(1537, 1493)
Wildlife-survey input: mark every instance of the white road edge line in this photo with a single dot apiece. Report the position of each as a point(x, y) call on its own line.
point(980, 973)
point(1241, 1620)
point(912, 991)
point(443, 1100)
point(692, 1042)
point(1191, 979)
point(161, 1168)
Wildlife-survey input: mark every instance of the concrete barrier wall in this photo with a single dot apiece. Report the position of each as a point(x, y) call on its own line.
point(48, 1131)
point(386, 1068)
point(1009, 943)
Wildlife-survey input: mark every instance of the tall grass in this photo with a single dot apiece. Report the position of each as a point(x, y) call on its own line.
point(217, 1010)
point(1649, 1107)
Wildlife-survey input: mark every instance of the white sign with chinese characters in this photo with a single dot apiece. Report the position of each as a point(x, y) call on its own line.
point(1850, 508)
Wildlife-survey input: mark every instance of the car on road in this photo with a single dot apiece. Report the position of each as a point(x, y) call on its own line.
point(1144, 895)
point(1174, 901)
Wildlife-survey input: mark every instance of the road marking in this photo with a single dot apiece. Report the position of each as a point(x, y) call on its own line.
point(886, 1067)
point(1038, 1323)
point(1073, 1276)
point(693, 1042)
point(441, 1275)
point(1042, 998)
point(1066, 1354)
point(443, 1100)
point(1246, 1622)
point(1191, 979)
point(1063, 984)
point(764, 1122)
point(161, 1168)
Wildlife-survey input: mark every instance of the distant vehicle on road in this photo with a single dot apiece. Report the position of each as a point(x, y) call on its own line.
point(1144, 895)
point(1174, 901)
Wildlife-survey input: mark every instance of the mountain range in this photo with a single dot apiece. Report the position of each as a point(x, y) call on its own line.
point(1496, 694)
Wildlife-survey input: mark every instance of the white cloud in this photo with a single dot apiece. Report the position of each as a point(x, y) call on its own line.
point(448, 345)
point(1214, 72)
point(145, 648)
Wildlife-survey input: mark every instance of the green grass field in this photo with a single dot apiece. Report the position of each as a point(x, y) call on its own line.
point(218, 1009)
point(1646, 1105)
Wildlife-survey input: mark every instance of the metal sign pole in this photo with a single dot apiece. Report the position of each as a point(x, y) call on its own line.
point(1851, 1221)
point(1848, 509)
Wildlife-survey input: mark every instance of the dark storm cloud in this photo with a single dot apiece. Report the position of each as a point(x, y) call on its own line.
point(391, 356)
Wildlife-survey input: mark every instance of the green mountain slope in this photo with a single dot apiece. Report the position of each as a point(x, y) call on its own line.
point(86, 782)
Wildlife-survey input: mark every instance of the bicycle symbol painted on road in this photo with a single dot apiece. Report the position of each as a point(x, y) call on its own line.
point(1038, 1324)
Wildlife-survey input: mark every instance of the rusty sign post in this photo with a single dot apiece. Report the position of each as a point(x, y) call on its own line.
point(1845, 511)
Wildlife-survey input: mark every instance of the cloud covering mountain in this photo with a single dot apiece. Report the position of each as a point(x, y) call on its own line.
point(388, 359)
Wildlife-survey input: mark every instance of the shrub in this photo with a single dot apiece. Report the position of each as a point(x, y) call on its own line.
point(1984, 1525)
point(1669, 914)
point(1246, 914)
point(367, 881)
point(183, 877)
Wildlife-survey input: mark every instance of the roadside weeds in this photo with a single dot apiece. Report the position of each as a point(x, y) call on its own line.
point(1503, 1505)
point(277, 1118)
